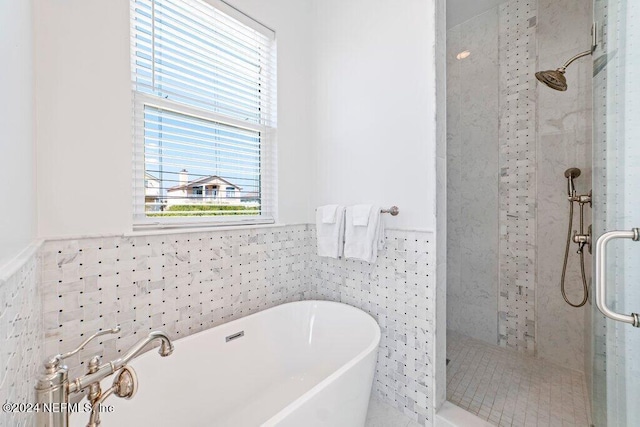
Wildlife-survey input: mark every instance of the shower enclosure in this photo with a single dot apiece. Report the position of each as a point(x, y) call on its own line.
point(518, 352)
point(616, 183)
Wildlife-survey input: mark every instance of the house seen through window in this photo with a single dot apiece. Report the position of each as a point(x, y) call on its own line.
point(204, 116)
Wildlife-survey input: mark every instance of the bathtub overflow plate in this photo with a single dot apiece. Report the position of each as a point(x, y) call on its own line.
point(234, 336)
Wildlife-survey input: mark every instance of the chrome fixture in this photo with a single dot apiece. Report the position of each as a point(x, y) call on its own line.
point(234, 336)
point(582, 239)
point(555, 79)
point(601, 275)
point(393, 210)
point(53, 387)
point(124, 385)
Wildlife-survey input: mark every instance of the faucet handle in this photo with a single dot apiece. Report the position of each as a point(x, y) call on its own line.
point(52, 364)
point(126, 383)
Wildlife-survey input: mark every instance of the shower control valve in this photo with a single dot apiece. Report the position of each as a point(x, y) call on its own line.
point(582, 240)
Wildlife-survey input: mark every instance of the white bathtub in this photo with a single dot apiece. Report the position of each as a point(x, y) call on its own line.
point(308, 363)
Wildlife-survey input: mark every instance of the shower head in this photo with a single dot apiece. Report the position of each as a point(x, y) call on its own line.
point(554, 79)
point(570, 174)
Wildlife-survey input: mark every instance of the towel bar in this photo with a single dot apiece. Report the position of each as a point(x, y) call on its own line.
point(393, 210)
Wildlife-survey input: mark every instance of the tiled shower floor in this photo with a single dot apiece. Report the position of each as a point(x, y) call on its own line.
point(507, 388)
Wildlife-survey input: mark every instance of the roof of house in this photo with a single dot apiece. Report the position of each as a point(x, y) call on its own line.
point(202, 181)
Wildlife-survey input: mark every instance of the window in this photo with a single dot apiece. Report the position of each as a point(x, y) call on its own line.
point(204, 114)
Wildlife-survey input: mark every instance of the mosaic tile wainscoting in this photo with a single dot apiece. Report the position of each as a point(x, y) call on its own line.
point(21, 335)
point(186, 283)
point(398, 291)
point(180, 283)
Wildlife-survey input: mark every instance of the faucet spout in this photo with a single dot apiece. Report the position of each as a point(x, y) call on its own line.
point(166, 348)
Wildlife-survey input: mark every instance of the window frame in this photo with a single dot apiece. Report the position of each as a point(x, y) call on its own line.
point(267, 132)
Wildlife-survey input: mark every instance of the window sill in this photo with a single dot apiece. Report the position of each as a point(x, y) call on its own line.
point(151, 230)
point(188, 230)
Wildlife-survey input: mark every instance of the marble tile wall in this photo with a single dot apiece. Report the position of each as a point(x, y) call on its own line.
point(185, 283)
point(180, 283)
point(440, 352)
point(517, 138)
point(21, 336)
point(398, 291)
point(472, 178)
point(564, 140)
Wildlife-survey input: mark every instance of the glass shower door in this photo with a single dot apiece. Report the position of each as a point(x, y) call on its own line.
point(615, 345)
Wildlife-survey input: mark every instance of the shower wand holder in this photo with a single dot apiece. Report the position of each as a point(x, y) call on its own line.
point(582, 199)
point(583, 240)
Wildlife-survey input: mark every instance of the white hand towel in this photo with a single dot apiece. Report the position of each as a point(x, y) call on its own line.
point(361, 215)
point(363, 243)
point(329, 213)
point(330, 236)
point(380, 240)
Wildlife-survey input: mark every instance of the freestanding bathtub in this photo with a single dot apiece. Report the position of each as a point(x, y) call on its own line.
point(301, 364)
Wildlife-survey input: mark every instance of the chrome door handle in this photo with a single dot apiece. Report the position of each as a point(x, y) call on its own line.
point(601, 275)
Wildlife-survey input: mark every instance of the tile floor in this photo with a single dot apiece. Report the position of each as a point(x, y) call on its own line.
point(384, 415)
point(507, 388)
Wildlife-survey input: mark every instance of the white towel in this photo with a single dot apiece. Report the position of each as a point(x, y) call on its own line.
point(360, 242)
point(329, 213)
point(330, 236)
point(361, 215)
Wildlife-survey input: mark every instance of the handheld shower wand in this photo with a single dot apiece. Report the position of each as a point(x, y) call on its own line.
point(570, 174)
point(581, 239)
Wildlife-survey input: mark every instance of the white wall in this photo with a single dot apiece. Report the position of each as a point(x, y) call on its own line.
point(84, 117)
point(17, 158)
point(369, 79)
point(291, 19)
point(375, 107)
point(84, 106)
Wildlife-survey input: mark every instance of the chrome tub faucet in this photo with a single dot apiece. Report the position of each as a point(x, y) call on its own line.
point(53, 387)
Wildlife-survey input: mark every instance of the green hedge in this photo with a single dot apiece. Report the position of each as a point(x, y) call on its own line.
point(206, 210)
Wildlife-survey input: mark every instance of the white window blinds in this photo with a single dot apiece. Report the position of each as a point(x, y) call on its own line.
point(204, 114)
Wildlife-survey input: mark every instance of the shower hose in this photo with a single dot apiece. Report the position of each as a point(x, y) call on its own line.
point(566, 256)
